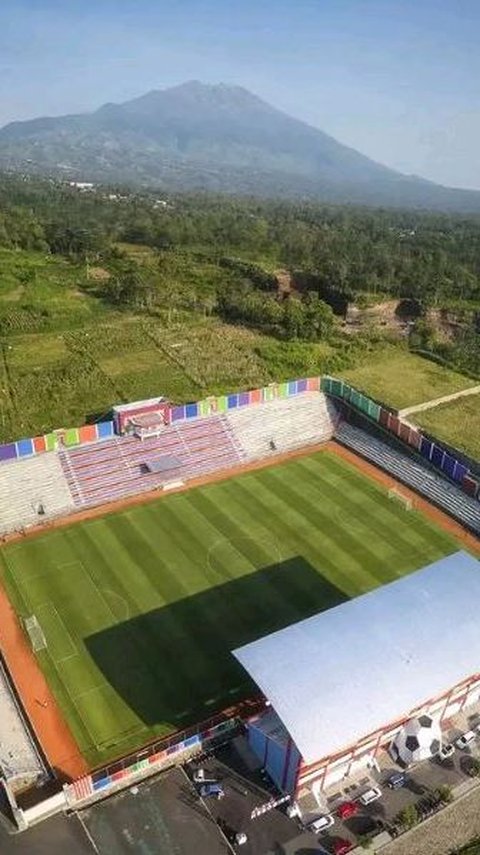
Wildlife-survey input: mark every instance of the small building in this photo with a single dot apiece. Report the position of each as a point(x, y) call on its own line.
point(82, 185)
point(342, 684)
point(142, 418)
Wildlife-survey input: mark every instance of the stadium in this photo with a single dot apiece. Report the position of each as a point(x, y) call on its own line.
point(149, 560)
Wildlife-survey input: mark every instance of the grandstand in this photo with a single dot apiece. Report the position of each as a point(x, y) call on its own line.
point(20, 763)
point(152, 445)
point(121, 467)
point(412, 473)
point(283, 425)
point(31, 491)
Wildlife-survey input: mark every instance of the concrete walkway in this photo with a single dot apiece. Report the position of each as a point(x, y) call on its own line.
point(428, 405)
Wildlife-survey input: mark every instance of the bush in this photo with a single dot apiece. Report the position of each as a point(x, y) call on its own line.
point(474, 769)
point(364, 840)
point(408, 817)
point(444, 792)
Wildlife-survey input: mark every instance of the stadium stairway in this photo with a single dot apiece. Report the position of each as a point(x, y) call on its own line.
point(288, 423)
point(440, 492)
point(114, 469)
point(32, 491)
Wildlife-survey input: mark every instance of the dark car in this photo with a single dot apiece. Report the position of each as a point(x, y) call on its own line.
point(209, 791)
point(397, 780)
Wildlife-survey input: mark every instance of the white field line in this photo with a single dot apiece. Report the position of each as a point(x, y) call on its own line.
point(73, 646)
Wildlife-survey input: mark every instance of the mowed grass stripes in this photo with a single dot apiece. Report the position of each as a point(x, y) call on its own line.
point(141, 609)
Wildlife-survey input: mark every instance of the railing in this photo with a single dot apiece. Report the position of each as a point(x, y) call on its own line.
point(70, 437)
point(429, 449)
point(159, 754)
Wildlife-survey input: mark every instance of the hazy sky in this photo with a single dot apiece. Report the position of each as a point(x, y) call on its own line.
point(397, 79)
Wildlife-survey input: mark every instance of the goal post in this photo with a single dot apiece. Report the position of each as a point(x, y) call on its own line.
point(35, 633)
point(396, 495)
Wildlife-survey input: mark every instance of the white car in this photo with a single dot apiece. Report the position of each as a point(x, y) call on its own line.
point(465, 739)
point(321, 824)
point(370, 796)
point(446, 751)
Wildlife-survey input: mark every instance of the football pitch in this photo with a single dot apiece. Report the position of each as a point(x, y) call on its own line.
point(140, 609)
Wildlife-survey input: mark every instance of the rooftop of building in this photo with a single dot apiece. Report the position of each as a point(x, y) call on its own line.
point(342, 674)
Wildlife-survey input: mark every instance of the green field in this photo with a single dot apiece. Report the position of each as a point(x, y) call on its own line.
point(402, 379)
point(141, 609)
point(457, 422)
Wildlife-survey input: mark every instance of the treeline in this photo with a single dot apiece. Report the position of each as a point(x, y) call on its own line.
point(430, 257)
point(309, 319)
point(214, 253)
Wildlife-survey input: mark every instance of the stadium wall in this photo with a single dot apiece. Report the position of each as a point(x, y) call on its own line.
point(441, 459)
point(70, 437)
point(155, 757)
point(451, 464)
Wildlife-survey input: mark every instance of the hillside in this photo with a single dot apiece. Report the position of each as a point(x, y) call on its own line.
point(217, 138)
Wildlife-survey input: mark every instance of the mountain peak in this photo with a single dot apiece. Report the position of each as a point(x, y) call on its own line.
point(217, 137)
point(195, 92)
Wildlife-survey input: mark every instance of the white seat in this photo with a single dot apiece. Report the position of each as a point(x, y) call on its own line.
point(283, 424)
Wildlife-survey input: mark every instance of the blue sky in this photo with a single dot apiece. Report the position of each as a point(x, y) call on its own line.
point(398, 80)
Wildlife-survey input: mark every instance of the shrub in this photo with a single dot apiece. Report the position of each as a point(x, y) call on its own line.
point(444, 792)
point(408, 817)
point(364, 840)
point(474, 769)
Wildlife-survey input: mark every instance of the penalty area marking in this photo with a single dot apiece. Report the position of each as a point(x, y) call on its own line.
point(54, 611)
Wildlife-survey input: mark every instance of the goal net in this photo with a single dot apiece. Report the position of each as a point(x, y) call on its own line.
point(396, 495)
point(35, 634)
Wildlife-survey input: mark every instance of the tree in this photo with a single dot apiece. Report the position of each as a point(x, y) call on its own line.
point(131, 288)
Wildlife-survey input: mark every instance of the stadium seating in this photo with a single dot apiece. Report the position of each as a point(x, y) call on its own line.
point(283, 424)
point(412, 473)
point(32, 491)
point(116, 468)
point(20, 763)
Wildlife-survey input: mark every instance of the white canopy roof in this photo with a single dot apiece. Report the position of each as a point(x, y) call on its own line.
point(346, 672)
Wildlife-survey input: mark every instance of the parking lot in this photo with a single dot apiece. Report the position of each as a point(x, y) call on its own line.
point(236, 769)
point(423, 779)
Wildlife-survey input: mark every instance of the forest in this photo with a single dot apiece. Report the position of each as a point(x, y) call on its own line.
point(216, 255)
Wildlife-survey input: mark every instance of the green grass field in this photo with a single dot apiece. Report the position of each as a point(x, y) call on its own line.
point(457, 422)
point(141, 609)
point(402, 379)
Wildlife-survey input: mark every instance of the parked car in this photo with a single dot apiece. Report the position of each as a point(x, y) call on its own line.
point(465, 739)
point(214, 791)
point(397, 780)
point(202, 777)
point(342, 846)
point(322, 823)
point(347, 809)
point(370, 796)
point(446, 751)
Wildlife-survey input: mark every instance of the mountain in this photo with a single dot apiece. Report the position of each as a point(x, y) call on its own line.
point(220, 138)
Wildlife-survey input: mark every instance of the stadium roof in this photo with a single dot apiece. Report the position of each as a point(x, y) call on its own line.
point(346, 672)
